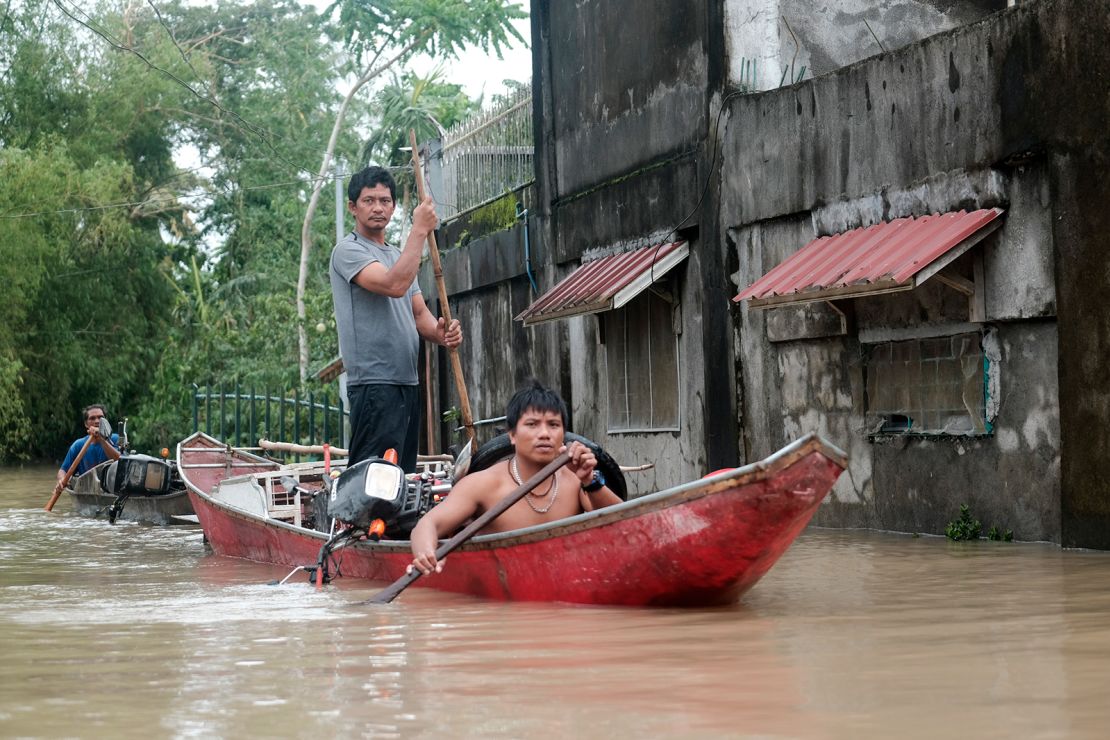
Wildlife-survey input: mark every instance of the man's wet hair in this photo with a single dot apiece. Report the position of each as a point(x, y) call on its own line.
point(534, 397)
point(368, 177)
point(85, 411)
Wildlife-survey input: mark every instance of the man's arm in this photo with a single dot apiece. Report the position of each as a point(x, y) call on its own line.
point(108, 445)
point(433, 329)
point(461, 504)
point(70, 454)
point(582, 464)
point(599, 499)
point(396, 281)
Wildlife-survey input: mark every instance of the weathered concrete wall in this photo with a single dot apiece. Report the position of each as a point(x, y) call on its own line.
point(623, 91)
point(1008, 111)
point(895, 135)
point(488, 285)
point(628, 88)
point(830, 35)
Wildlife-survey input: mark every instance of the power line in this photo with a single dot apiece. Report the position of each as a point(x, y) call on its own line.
point(180, 197)
point(247, 126)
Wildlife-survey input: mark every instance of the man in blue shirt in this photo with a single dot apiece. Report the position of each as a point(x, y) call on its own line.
point(98, 452)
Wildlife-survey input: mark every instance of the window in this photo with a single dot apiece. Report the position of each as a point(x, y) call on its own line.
point(928, 386)
point(641, 352)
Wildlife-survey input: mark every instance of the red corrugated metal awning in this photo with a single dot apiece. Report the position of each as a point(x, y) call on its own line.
point(887, 257)
point(606, 283)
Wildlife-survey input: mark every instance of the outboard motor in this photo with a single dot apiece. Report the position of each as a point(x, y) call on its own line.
point(375, 499)
point(368, 491)
point(137, 475)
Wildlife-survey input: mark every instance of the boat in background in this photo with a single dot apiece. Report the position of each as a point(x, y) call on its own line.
point(136, 488)
point(698, 544)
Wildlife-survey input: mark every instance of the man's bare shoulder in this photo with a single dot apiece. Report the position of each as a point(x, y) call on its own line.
point(482, 484)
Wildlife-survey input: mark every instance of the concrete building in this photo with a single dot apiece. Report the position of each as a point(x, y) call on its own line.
point(978, 379)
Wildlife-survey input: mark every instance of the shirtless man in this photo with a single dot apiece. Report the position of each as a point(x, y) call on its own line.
point(537, 419)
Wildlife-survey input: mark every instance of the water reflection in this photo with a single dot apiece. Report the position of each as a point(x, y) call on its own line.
point(133, 631)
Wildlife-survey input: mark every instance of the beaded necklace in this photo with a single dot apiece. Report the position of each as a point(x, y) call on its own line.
point(553, 489)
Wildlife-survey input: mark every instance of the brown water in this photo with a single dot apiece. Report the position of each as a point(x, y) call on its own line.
point(134, 631)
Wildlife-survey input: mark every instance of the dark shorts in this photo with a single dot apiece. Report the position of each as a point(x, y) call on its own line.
point(384, 417)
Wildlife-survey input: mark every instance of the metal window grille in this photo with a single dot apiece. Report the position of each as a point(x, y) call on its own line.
point(928, 386)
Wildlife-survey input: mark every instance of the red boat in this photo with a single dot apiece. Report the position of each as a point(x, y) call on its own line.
point(701, 543)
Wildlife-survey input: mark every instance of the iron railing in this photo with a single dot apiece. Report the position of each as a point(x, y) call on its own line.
point(482, 158)
point(240, 418)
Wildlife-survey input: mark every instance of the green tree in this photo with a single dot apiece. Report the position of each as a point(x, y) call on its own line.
point(79, 227)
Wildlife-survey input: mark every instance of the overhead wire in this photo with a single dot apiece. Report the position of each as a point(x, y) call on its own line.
point(246, 126)
point(176, 197)
point(705, 187)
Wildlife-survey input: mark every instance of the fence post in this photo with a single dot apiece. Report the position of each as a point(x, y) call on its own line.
point(297, 421)
point(339, 435)
point(281, 418)
point(311, 418)
point(238, 401)
point(208, 409)
point(196, 410)
point(223, 414)
point(327, 415)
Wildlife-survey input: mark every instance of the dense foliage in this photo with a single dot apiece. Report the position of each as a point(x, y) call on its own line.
point(130, 278)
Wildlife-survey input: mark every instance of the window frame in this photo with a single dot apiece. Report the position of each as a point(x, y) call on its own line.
point(885, 431)
point(606, 328)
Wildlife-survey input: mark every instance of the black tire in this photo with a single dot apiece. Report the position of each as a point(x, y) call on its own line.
point(500, 448)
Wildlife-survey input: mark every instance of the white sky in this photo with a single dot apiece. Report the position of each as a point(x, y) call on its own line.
point(480, 72)
point(477, 71)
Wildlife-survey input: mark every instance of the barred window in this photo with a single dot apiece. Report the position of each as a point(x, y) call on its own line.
point(928, 386)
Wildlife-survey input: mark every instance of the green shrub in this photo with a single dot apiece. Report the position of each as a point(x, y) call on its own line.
point(999, 535)
point(964, 528)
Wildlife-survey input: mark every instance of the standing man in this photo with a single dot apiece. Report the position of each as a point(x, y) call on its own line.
point(381, 315)
point(100, 450)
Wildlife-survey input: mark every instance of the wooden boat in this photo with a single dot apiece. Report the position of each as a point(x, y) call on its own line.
point(90, 499)
point(701, 543)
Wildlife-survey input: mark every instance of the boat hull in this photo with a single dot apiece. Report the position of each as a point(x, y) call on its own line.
point(703, 543)
point(90, 500)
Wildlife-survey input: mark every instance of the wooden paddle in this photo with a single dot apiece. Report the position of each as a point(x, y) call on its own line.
point(69, 474)
point(390, 593)
point(444, 306)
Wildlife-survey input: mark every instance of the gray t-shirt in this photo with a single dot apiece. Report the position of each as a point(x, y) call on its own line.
point(377, 334)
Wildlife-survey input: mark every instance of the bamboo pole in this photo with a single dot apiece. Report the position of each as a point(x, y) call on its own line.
point(69, 474)
point(444, 306)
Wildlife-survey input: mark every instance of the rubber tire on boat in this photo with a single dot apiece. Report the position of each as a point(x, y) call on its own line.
point(500, 448)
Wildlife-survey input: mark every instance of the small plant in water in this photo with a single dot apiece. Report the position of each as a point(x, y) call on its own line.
point(964, 528)
point(1000, 535)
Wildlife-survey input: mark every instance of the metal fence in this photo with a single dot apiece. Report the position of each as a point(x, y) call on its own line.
point(242, 417)
point(484, 157)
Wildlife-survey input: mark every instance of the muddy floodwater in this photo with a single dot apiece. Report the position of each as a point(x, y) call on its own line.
point(131, 631)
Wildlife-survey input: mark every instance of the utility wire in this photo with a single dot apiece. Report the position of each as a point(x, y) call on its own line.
point(246, 127)
point(184, 196)
point(705, 187)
